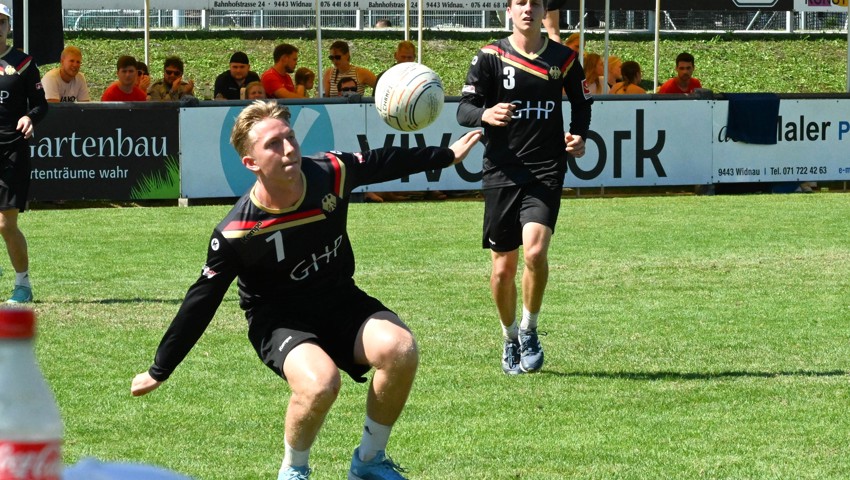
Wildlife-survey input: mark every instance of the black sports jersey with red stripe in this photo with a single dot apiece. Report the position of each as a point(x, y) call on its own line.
point(532, 144)
point(292, 257)
point(20, 93)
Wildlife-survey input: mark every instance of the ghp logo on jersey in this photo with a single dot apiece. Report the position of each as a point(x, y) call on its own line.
point(555, 72)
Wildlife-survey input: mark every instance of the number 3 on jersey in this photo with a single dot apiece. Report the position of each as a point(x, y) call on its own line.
point(509, 81)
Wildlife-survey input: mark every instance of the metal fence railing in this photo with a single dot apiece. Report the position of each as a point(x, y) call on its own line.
point(632, 20)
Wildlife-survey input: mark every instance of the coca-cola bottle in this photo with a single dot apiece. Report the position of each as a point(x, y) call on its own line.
point(30, 425)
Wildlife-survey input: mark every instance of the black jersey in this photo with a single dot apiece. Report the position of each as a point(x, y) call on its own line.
point(532, 144)
point(20, 93)
point(294, 257)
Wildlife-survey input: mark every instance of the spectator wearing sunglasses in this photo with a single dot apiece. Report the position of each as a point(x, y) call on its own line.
point(340, 56)
point(278, 79)
point(346, 87)
point(171, 87)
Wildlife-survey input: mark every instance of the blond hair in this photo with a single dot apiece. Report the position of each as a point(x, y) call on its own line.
point(72, 50)
point(240, 136)
point(591, 61)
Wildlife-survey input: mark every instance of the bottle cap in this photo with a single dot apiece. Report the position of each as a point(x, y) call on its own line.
point(17, 322)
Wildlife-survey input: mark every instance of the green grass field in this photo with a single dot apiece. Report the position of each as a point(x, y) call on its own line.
point(688, 337)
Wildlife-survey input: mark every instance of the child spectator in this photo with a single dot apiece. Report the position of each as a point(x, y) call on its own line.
point(305, 80)
point(253, 91)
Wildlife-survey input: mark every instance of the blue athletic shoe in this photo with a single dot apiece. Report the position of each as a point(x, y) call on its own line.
point(379, 468)
point(20, 294)
point(530, 351)
point(510, 357)
point(294, 473)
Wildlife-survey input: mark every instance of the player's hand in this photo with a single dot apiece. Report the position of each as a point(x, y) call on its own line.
point(499, 115)
point(575, 145)
point(465, 144)
point(25, 126)
point(143, 383)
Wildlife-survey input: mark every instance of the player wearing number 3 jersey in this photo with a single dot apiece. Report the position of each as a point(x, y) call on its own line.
point(514, 91)
point(287, 244)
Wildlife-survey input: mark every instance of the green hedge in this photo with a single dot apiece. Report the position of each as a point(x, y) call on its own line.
point(782, 63)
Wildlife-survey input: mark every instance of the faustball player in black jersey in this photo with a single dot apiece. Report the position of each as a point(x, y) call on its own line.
point(22, 105)
point(514, 90)
point(286, 243)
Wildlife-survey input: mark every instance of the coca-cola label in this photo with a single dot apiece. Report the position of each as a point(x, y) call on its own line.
point(30, 461)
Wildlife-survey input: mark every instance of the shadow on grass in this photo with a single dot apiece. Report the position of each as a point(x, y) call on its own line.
point(653, 376)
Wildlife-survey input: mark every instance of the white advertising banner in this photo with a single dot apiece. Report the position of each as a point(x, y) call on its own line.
point(632, 143)
point(838, 6)
point(813, 143)
point(644, 143)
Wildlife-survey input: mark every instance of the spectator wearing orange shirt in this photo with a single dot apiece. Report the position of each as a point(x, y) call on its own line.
point(125, 89)
point(277, 80)
point(684, 81)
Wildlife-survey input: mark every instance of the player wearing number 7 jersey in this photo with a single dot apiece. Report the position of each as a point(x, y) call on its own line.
point(287, 244)
point(514, 90)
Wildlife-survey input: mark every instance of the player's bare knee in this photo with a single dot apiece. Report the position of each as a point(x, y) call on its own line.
point(535, 258)
point(503, 274)
point(398, 352)
point(7, 226)
point(320, 392)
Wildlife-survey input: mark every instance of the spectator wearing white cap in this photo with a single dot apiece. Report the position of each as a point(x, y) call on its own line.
point(66, 83)
point(23, 106)
point(229, 84)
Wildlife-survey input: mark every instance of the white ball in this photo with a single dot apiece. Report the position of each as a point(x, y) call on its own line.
point(409, 96)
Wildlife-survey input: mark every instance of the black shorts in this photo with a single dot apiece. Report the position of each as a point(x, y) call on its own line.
point(274, 330)
point(508, 209)
point(555, 4)
point(14, 175)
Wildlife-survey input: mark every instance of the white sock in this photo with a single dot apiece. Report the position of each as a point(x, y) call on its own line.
point(529, 320)
point(374, 439)
point(293, 457)
point(510, 332)
point(23, 279)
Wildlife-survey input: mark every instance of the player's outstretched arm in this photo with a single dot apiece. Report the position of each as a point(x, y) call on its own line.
point(143, 383)
point(465, 144)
